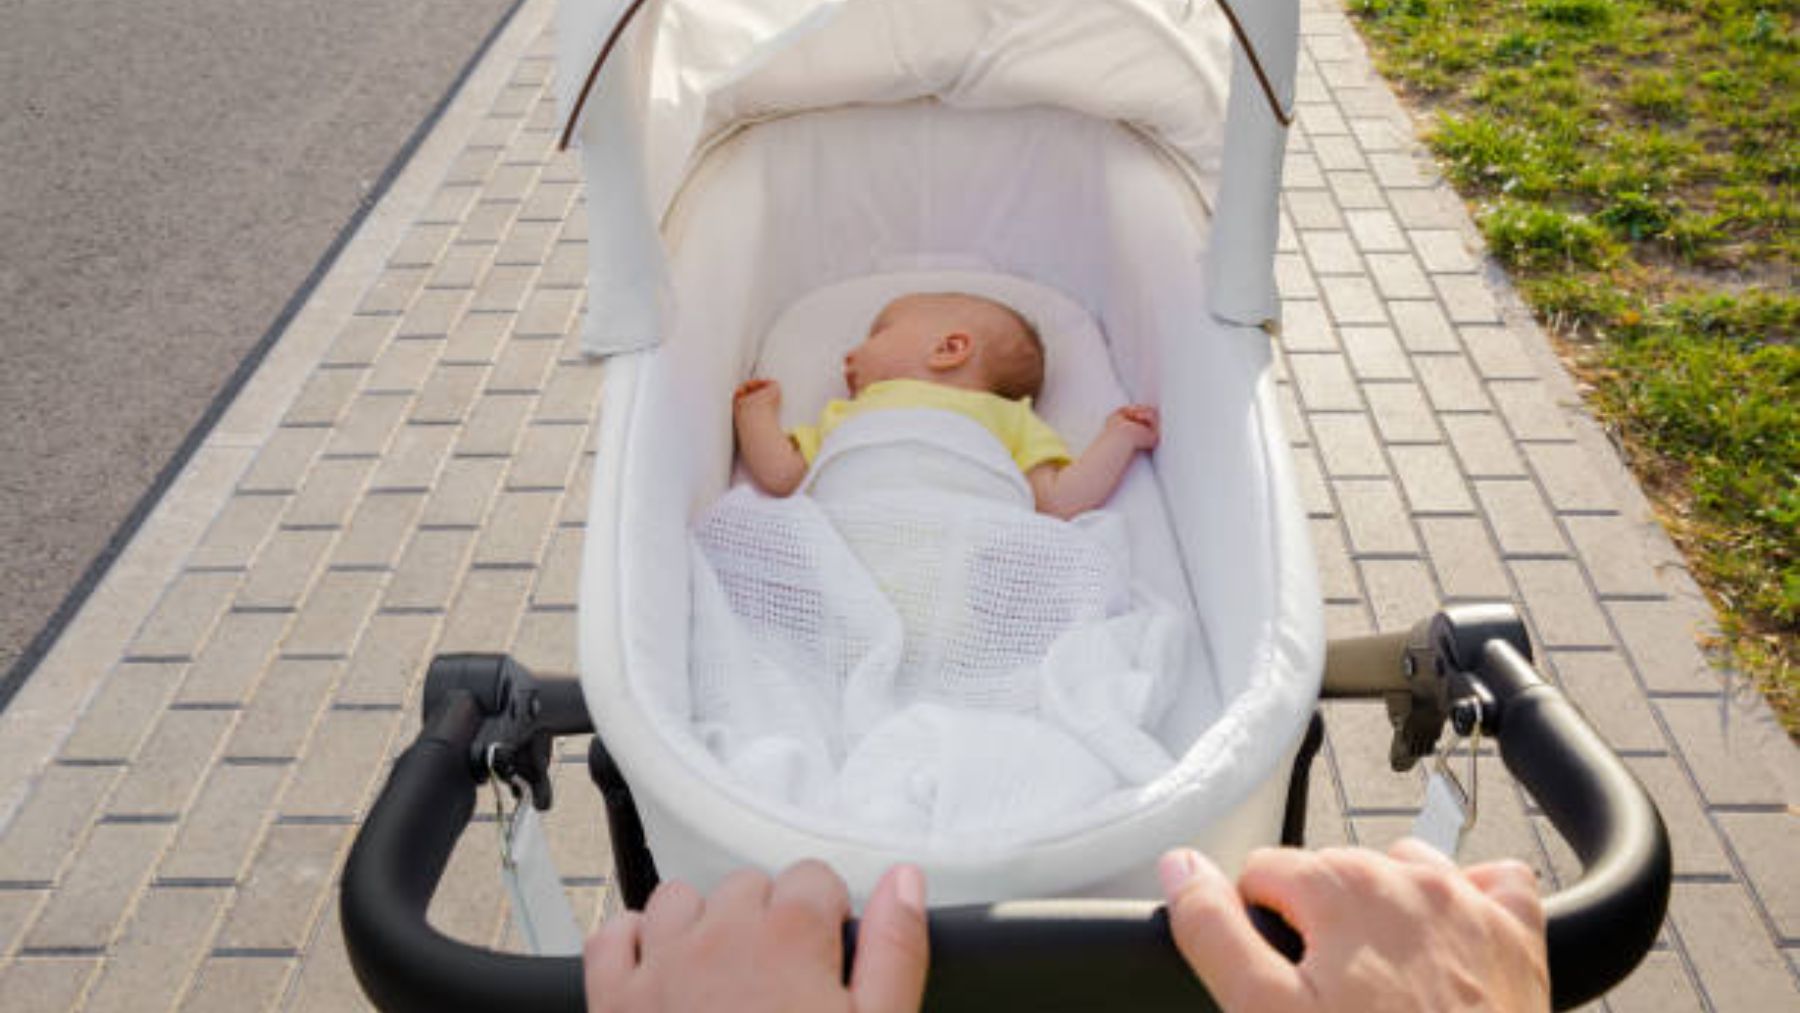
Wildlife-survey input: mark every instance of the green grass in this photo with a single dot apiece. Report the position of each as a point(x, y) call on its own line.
point(1634, 163)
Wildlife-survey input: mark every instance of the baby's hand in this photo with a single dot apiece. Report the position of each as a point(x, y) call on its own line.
point(1139, 423)
point(756, 395)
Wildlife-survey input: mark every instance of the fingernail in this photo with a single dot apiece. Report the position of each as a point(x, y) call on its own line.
point(909, 887)
point(1176, 869)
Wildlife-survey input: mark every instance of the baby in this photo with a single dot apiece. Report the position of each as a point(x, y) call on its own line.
point(960, 353)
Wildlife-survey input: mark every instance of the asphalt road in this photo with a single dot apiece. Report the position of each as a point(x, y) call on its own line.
point(172, 174)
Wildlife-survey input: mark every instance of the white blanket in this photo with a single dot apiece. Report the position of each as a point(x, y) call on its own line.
point(909, 651)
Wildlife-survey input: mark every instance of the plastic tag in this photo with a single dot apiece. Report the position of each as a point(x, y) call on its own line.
point(1444, 817)
point(540, 907)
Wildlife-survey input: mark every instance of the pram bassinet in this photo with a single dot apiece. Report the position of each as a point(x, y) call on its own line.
point(790, 149)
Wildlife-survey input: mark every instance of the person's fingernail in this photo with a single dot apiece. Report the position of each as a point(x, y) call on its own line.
point(909, 887)
point(1176, 869)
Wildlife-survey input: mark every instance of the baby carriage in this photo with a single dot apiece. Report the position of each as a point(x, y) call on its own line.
point(762, 175)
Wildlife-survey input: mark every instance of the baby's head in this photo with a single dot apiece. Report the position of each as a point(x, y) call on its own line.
point(951, 338)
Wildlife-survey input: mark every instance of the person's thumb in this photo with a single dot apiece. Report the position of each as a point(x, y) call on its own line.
point(892, 948)
point(1214, 933)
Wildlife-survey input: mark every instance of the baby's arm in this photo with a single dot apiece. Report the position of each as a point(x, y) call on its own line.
point(770, 454)
point(1087, 482)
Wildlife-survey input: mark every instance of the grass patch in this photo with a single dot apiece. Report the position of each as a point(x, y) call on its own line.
point(1635, 164)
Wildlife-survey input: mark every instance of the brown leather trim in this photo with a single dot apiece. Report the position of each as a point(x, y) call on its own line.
point(1282, 116)
point(587, 87)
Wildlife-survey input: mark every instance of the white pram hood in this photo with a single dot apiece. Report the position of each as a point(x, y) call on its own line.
point(648, 98)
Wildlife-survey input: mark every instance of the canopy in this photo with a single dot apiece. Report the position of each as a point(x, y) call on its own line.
point(648, 85)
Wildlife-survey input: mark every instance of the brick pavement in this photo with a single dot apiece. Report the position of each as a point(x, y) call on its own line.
point(409, 475)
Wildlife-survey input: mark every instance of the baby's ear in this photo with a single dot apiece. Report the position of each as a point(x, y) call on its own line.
point(951, 351)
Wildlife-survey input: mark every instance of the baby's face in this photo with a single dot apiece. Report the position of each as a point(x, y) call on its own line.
point(901, 340)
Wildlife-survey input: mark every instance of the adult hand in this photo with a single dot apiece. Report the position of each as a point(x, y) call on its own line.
point(756, 944)
point(1408, 931)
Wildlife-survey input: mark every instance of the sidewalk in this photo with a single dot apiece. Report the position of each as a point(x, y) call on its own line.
point(180, 780)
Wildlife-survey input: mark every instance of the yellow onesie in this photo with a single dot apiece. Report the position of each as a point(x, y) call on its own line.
point(1029, 439)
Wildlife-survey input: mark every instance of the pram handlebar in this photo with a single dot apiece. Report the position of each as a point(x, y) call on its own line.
point(1023, 954)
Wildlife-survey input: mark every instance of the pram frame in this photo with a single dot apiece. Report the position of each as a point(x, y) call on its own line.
point(1027, 954)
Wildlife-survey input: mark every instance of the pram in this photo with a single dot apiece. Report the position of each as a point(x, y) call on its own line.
point(761, 175)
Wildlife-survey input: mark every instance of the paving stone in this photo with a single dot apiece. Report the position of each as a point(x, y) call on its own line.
point(1313, 209)
point(1375, 353)
point(285, 887)
point(571, 395)
point(447, 394)
point(284, 569)
point(1659, 985)
point(391, 656)
point(1422, 326)
point(334, 613)
point(1483, 446)
point(1343, 619)
point(283, 460)
point(566, 267)
point(1330, 251)
point(1570, 476)
point(119, 717)
point(1397, 275)
point(494, 425)
point(489, 222)
point(1692, 840)
point(1460, 550)
point(219, 833)
point(403, 366)
point(1661, 638)
point(1326, 826)
point(1726, 764)
point(1468, 298)
point(470, 903)
point(1376, 231)
point(1529, 411)
point(238, 531)
point(1601, 684)
point(545, 642)
point(1352, 300)
point(1337, 153)
point(1360, 736)
point(378, 530)
point(503, 289)
point(1320, 119)
point(326, 983)
point(286, 706)
point(428, 572)
point(234, 659)
point(486, 611)
point(522, 367)
point(1429, 477)
point(322, 399)
point(166, 772)
point(1497, 354)
point(1381, 134)
point(1305, 327)
point(1337, 575)
point(449, 205)
point(1451, 383)
point(329, 493)
point(423, 245)
point(1400, 170)
point(1400, 592)
point(44, 984)
point(528, 243)
point(516, 533)
point(559, 575)
point(1562, 611)
point(1348, 446)
point(1401, 414)
point(1375, 518)
point(1729, 947)
point(464, 491)
point(510, 182)
point(1324, 383)
point(1301, 171)
point(437, 309)
point(1309, 478)
point(185, 615)
point(1521, 520)
point(1615, 551)
point(548, 312)
point(546, 456)
point(1764, 844)
point(413, 461)
point(17, 908)
point(336, 777)
point(1432, 207)
point(157, 951)
point(548, 202)
point(369, 426)
point(92, 895)
point(44, 831)
point(1444, 251)
point(1293, 420)
point(238, 984)
point(1285, 240)
point(476, 338)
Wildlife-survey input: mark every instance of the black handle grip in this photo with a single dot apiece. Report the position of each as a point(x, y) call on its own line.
point(1027, 954)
